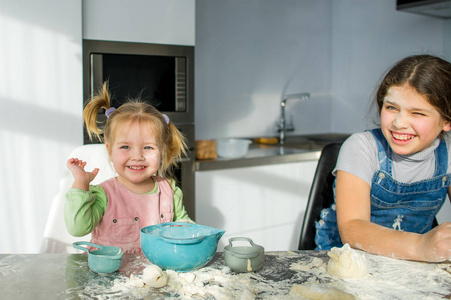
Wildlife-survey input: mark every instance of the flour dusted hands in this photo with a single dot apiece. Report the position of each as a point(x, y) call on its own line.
point(435, 245)
point(82, 178)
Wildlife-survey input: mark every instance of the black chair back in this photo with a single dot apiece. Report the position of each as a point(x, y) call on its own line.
point(321, 194)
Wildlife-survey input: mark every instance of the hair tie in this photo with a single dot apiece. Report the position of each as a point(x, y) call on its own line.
point(109, 111)
point(166, 119)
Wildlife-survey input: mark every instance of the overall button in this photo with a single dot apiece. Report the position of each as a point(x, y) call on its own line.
point(381, 175)
point(445, 178)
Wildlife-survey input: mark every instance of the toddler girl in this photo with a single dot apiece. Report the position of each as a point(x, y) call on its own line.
point(143, 145)
point(392, 181)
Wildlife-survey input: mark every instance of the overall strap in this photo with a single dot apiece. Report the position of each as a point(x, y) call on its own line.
point(441, 158)
point(384, 152)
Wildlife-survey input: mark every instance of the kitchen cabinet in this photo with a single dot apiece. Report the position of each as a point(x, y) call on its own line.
point(169, 22)
point(265, 203)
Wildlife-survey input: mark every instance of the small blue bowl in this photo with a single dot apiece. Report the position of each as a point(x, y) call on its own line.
point(179, 246)
point(106, 259)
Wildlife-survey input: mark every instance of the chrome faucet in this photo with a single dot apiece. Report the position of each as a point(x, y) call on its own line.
point(283, 103)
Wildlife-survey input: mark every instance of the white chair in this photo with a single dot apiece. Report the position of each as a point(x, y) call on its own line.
point(56, 239)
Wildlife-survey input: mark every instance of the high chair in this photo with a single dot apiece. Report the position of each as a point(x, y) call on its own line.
point(56, 239)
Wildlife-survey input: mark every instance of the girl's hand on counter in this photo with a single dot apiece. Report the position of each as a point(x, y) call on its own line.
point(435, 245)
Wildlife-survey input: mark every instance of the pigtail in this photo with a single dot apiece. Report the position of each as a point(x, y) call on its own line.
point(178, 146)
point(174, 147)
point(91, 110)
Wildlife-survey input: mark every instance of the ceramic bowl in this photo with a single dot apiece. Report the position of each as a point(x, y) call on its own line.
point(246, 258)
point(105, 259)
point(179, 246)
point(232, 148)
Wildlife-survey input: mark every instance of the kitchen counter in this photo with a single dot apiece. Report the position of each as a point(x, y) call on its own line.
point(296, 149)
point(67, 276)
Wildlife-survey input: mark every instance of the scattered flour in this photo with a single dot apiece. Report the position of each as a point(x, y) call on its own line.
point(305, 278)
point(318, 292)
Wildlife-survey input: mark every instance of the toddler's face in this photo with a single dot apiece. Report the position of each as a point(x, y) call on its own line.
point(135, 156)
point(408, 121)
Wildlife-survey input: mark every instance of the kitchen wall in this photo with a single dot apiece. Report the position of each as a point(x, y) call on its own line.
point(40, 96)
point(367, 38)
point(250, 53)
point(447, 38)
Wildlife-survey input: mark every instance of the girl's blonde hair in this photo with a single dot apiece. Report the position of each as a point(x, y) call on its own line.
point(170, 140)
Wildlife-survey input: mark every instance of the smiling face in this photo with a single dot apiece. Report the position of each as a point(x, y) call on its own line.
point(408, 121)
point(135, 155)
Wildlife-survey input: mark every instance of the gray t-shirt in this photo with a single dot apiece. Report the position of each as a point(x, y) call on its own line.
point(358, 156)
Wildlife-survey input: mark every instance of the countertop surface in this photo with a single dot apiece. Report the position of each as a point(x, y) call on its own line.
point(67, 276)
point(296, 149)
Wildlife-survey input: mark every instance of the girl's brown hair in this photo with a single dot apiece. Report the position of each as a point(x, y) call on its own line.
point(428, 75)
point(170, 140)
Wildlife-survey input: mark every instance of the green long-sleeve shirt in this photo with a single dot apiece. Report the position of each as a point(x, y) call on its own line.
point(83, 210)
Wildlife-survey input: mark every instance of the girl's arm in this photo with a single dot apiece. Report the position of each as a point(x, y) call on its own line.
point(180, 214)
point(353, 217)
point(83, 210)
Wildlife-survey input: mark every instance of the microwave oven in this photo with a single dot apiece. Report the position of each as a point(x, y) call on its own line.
point(162, 75)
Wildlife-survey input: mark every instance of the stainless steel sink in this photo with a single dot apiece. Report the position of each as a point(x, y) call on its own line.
point(313, 142)
point(273, 151)
point(296, 149)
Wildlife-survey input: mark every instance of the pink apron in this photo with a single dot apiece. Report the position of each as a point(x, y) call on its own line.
point(128, 212)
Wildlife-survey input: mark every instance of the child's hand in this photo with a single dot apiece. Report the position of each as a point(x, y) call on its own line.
point(436, 244)
point(82, 178)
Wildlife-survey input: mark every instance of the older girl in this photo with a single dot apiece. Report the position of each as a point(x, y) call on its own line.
point(392, 181)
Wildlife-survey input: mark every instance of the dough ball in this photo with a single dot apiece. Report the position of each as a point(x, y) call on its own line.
point(136, 282)
point(154, 277)
point(319, 292)
point(347, 263)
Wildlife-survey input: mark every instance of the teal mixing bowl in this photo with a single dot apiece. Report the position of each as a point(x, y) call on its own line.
point(179, 246)
point(105, 259)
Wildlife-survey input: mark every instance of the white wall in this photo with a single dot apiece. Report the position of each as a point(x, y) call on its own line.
point(447, 38)
point(248, 53)
point(367, 38)
point(40, 115)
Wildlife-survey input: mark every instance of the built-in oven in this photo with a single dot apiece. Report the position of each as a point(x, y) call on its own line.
point(162, 75)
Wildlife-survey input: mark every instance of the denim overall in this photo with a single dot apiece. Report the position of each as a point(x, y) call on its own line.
point(402, 206)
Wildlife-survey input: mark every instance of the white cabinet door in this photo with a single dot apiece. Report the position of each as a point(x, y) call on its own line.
point(265, 203)
point(169, 22)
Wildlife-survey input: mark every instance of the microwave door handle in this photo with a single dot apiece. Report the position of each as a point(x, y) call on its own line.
point(96, 73)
